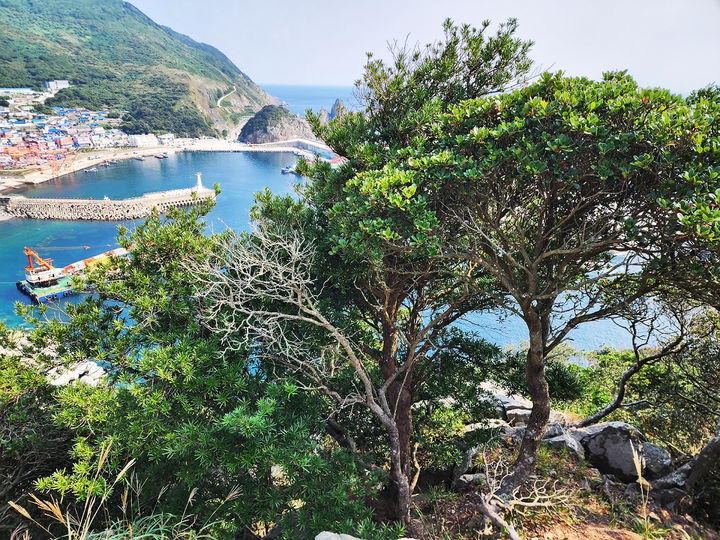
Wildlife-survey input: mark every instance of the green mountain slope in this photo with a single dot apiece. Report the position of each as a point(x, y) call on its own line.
point(116, 57)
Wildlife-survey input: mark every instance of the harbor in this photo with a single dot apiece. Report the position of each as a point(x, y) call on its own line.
point(105, 209)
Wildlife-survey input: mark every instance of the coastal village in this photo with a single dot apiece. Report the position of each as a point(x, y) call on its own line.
point(39, 142)
point(33, 135)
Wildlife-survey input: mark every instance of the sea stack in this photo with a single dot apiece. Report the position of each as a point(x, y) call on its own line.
point(338, 109)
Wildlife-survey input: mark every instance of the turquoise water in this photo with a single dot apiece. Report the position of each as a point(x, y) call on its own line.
point(240, 175)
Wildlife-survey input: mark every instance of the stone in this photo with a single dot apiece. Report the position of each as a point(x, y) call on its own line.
point(608, 446)
point(274, 124)
point(338, 109)
point(467, 481)
point(517, 417)
point(566, 442)
point(326, 535)
point(658, 461)
point(324, 117)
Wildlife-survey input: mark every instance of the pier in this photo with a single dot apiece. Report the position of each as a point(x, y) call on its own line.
point(104, 209)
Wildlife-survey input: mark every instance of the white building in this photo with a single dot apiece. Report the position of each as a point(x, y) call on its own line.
point(16, 91)
point(54, 86)
point(147, 139)
point(166, 139)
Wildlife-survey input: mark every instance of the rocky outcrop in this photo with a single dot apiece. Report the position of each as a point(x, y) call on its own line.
point(86, 371)
point(324, 116)
point(273, 124)
point(338, 109)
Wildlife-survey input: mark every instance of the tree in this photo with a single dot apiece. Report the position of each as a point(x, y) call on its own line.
point(560, 191)
point(195, 418)
point(397, 285)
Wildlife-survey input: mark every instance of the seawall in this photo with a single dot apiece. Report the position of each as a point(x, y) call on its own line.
point(102, 209)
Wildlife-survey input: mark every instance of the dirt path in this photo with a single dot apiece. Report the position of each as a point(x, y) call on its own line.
point(231, 92)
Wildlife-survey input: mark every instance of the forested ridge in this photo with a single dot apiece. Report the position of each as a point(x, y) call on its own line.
point(116, 58)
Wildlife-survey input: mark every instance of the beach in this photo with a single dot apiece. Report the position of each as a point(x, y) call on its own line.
point(93, 158)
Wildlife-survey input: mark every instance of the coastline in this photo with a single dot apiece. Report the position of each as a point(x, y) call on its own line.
point(93, 158)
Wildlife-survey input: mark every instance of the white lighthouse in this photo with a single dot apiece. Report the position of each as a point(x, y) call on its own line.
point(198, 185)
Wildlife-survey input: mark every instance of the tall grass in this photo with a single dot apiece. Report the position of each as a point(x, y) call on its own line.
point(88, 525)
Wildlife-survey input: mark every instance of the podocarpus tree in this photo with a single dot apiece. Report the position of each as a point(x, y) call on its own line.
point(395, 283)
point(560, 191)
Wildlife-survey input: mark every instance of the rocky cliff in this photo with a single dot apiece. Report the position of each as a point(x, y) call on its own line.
point(272, 124)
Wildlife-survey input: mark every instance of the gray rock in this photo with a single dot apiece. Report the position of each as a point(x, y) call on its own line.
point(554, 429)
point(566, 442)
point(658, 461)
point(324, 116)
point(467, 481)
point(608, 446)
point(338, 109)
point(517, 417)
point(273, 124)
point(326, 535)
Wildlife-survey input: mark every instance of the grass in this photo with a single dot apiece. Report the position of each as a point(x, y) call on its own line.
point(93, 521)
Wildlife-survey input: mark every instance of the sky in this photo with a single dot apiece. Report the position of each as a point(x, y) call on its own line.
point(670, 43)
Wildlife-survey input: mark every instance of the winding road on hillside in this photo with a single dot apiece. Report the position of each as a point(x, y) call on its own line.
point(231, 92)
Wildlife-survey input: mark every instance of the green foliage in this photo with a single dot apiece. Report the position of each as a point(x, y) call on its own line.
point(565, 379)
point(114, 57)
point(194, 415)
point(31, 445)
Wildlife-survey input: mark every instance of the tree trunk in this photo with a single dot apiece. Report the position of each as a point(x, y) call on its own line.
point(539, 392)
point(397, 495)
point(401, 398)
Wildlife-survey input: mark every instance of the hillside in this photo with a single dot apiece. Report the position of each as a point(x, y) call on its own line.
point(272, 124)
point(117, 58)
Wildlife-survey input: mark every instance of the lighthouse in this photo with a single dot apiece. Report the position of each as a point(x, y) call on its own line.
point(198, 185)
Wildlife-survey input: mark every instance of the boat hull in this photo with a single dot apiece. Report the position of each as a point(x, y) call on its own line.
point(40, 295)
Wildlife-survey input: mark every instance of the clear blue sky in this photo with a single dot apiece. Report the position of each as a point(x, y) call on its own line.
point(669, 43)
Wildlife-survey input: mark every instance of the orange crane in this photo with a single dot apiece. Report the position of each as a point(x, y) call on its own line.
point(47, 263)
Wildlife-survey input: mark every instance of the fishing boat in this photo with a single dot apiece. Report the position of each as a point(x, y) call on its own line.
point(140, 158)
point(44, 282)
point(288, 170)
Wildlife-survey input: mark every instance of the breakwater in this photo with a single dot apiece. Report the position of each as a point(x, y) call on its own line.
point(102, 209)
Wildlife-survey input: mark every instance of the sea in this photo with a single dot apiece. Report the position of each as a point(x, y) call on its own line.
point(240, 175)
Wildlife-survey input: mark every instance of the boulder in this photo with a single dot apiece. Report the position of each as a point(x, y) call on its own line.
point(566, 442)
point(468, 481)
point(658, 461)
point(517, 417)
point(608, 446)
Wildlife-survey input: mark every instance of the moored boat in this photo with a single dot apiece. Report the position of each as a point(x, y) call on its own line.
point(44, 282)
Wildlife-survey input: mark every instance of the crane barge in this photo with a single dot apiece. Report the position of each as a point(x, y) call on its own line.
point(44, 282)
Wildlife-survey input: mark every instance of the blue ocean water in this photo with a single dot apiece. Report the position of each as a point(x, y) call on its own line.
point(240, 176)
point(301, 98)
